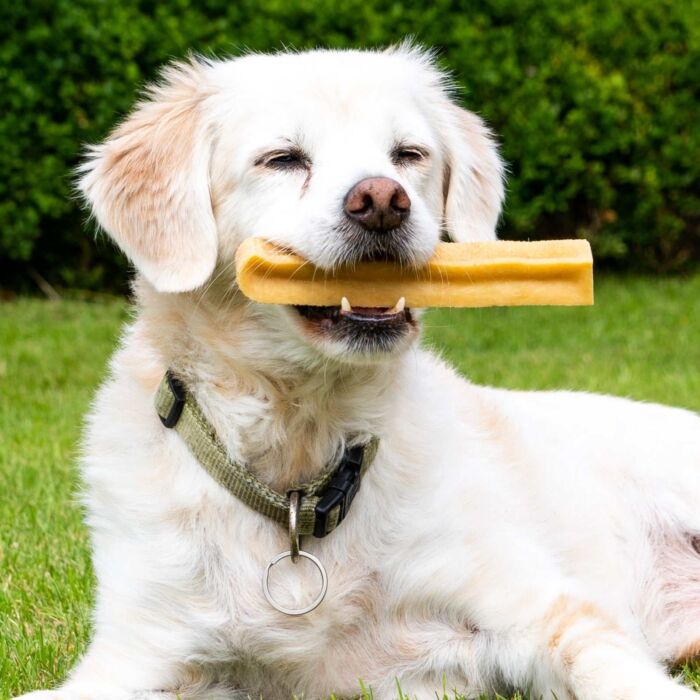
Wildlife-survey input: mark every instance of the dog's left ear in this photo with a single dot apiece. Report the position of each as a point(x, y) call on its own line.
point(148, 183)
point(473, 184)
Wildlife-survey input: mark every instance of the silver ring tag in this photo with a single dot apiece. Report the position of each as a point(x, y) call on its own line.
point(314, 603)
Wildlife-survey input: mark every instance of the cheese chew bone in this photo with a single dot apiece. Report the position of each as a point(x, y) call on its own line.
point(486, 273)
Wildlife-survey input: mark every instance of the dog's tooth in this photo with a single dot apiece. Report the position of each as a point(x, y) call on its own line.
point(345, 305)
point(400, 306)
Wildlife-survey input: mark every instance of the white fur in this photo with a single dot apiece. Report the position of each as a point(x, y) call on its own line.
point(500, 538)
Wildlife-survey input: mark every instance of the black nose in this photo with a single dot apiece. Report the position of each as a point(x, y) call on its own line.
point(378, 204)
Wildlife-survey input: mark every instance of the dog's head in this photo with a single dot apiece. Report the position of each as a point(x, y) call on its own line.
point(339, 156)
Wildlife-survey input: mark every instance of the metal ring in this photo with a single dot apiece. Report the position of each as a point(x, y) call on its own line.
point(294, 498)
point(314, 603)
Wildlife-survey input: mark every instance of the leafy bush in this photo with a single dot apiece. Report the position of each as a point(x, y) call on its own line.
point(595, 103)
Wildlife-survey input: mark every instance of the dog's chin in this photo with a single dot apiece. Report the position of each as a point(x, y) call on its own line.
point(358, 335)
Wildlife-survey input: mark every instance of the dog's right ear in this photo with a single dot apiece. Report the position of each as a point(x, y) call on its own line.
point(148, 184)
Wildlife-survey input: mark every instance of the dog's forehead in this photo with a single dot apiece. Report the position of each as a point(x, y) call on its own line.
point(321, 96)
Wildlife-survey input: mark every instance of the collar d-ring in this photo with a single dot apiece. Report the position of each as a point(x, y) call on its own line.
point(294, 500)
point(294, 553)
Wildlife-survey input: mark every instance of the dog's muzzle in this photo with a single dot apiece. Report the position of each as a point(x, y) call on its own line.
point(376, 222)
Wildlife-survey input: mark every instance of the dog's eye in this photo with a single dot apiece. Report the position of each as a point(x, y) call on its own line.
point(405, 155)
point(285, 160)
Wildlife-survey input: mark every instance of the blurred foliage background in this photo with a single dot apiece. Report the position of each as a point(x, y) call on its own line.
point(596, 103)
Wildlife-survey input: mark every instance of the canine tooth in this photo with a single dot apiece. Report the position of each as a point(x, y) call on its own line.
point(400, 306)
point(345, 304)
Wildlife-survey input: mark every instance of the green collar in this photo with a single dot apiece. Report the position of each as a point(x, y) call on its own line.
point(325, 501)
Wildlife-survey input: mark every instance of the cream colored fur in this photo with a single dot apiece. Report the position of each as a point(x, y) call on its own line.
point(500, 539)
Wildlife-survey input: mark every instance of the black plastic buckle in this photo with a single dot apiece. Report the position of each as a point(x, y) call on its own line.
point(177, 389)
point(341, 490)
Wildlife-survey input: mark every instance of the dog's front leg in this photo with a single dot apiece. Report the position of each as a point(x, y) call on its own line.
point(538, 629)
point(596, 660)
point(127, 670)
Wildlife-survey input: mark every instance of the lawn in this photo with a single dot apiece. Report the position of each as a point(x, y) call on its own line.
point(642, 340)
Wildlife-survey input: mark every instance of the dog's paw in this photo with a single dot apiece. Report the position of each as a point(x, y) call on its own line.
point(69, 694)
point(670, 691)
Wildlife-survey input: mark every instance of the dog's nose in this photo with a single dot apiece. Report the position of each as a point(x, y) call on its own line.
point(378, 204)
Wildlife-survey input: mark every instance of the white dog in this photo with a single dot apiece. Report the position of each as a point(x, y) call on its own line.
point(499, 539)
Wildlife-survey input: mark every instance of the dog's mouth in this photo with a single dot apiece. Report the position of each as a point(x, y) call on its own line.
point(362, 328)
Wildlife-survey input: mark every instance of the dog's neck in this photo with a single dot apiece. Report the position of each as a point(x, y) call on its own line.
point(285, 417)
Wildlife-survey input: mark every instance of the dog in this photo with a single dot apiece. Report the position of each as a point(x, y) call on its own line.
point(498, 539)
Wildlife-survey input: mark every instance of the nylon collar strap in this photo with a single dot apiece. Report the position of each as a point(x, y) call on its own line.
point(325, 501)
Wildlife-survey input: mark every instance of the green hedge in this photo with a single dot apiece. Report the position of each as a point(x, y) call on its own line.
point(596, 105)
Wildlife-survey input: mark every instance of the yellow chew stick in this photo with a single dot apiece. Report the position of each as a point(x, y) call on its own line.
point(489, 273)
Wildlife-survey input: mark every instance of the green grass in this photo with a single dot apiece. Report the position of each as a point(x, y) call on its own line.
point(52, 357)
point(642, 339)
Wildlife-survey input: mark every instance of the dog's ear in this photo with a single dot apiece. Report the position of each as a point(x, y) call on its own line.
point(473, 180)
point(148, 183)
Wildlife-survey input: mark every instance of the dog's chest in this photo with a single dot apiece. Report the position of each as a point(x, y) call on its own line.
point(359, 633)
point(368, 627)
point(365, 629)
